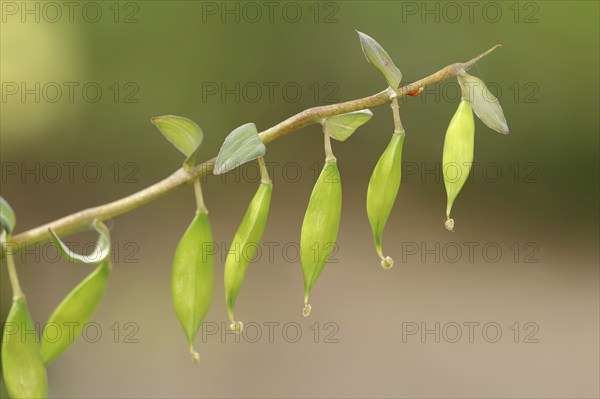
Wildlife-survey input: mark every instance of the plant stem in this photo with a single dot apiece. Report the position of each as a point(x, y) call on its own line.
point(200, 207)
point(398, 128)
point(328, 151)
point(13, 276)
point(264, 173)
point(80, 221)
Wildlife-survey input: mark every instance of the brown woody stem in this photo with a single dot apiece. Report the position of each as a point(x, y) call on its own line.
point(81, 220)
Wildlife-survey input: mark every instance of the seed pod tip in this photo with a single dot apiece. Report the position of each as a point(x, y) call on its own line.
point(236, 326)
point(306, 310)
point(195, 355)
point(387, 262)
point(449, 223)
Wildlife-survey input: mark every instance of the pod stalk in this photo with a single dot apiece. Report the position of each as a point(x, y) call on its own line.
point(264, 173)
point(398, 128)
point(13, 276)
point(328, 150)
point(200, 207)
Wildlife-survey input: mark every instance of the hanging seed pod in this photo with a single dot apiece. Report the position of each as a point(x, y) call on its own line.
point(458, 155)
point(22, 366)
point(74, 312)
point(192, 277)
point(382, 191)
point(243, 247)
point(320, 226)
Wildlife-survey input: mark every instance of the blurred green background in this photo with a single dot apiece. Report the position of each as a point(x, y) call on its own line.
point(534, 196)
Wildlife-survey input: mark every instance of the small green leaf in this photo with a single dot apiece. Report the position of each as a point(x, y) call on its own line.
point(241, 146)
point(74, 312)
point(99, 254)
point(7, 216)
point(183, 133)
point(380, 59)
point(192, 277)
point(22, 367)
point(320, 226)
point(340, 127)
point(243, 247)
point(485, 105)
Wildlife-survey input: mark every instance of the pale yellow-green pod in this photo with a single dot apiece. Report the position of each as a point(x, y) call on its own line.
point(192, 277)
point(243, 247)
point(320, 226)
point(458, 155)
point(74, 312)
point(382, 191)
point(22, 366)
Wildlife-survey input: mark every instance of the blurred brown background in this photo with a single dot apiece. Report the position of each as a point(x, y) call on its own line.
point(530, 216)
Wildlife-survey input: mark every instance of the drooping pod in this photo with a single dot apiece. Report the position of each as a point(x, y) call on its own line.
point(243, 247)
point(22, 366)
point(320, 226)
point(192, 277)
point(383, 189)
point(457, 157)
point(74, 312)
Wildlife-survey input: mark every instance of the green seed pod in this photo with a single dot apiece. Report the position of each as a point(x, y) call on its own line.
point(74, 312)
point(192, 277)
point(22, 365)
point(248, 236)
point(458, 154)
point(382, 191)
point(320, 226)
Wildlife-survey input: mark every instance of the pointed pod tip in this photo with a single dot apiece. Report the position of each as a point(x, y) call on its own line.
point(449, 224)
point(387, 262)
point(236, 326)
point(306, 310)
point(195, 355)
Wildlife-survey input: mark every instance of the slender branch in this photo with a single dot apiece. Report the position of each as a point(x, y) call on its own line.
point(80, 221)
